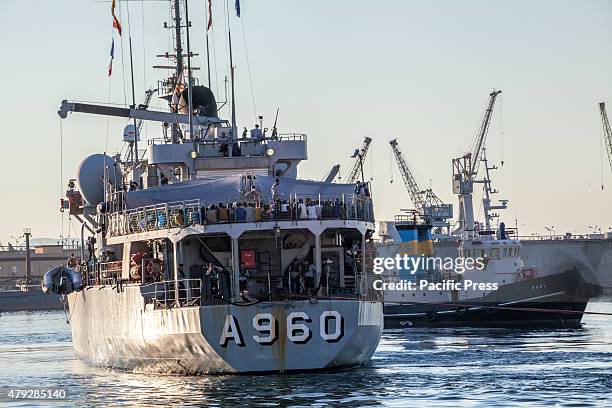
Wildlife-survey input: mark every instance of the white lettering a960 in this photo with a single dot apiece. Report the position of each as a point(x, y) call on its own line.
point(331, 328)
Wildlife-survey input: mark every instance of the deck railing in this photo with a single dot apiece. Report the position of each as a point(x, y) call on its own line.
point(197, 212)
point(163, 294)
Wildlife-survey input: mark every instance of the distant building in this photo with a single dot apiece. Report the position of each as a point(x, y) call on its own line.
point(43, 258)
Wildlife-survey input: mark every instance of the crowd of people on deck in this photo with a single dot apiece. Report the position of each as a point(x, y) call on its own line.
point(254, 209)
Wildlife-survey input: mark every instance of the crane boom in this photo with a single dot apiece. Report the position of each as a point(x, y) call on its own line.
point(426, 202)
point(148, 94)
point(360, 155)
point(155, 116)
point(481, 137)
point(414, 190)
point(607, 133)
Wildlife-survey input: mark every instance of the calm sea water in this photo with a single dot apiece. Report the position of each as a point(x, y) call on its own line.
point(416, 368)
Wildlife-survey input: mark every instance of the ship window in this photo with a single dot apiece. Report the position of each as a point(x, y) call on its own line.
point(14, 270)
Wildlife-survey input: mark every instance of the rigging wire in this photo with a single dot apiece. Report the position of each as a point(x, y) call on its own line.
point(501, 128)
point(122, 62)
point(246, 51)
point(601, 153)
point(227, 53)
point(144, 62)
point(391, 160)
point(214, 54)
point(371, 166)
point(61, 129)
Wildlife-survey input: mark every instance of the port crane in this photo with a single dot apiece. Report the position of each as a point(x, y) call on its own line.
point(607, 133)
point(426, 202)
point(360, 155)
point(465, 170)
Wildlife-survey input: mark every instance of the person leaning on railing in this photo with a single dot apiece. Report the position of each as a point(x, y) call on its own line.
point(240, 212)
point(211, 214)
point(223, 213)
point(249, 211)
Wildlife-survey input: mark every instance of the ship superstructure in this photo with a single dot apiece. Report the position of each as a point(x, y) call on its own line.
point(207, 254)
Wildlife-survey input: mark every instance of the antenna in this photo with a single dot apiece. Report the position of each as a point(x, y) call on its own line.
point(189, 81)
point(135, 146)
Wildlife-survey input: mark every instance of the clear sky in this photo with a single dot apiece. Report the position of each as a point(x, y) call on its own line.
point(419, 71)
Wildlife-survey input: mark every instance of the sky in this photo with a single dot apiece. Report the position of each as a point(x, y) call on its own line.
point(418, 71)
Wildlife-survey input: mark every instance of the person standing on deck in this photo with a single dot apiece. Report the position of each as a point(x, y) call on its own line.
point(72, 261)
point(256, 132)
point(274, 190)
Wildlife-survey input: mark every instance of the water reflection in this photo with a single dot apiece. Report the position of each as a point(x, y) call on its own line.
point(418, 367)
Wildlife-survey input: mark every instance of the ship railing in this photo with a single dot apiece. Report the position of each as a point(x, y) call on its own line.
point(163, 294)
point(294, 207)
point(107, 273)
point(292, 136)
point(154, 217)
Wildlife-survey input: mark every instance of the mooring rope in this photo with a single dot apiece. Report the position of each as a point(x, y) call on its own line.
point(467, 307)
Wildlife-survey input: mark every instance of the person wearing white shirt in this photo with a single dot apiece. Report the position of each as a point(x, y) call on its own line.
point(310, 271)
point(302, 211)
point(312, 211)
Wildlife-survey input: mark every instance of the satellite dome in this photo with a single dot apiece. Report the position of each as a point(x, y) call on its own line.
point(91, 174)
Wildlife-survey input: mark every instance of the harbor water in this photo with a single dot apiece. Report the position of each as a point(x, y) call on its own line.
point(411, 367)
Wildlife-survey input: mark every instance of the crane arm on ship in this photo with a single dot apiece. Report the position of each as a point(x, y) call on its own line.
point(607, 133)
point(133, 113)
point(148, 95)
point(360, 155)
point(465, 169)
point(412, 186)
point(425, 201)
point(332, 174)
point(479, 142)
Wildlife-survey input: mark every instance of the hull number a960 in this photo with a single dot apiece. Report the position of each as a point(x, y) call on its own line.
point(331, 328)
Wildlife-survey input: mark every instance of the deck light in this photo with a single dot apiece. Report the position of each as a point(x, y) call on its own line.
point(270, 151)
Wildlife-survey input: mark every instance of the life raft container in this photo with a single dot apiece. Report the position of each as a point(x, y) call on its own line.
point(62, 280)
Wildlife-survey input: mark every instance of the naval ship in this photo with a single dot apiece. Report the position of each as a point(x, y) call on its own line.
point(207, 254)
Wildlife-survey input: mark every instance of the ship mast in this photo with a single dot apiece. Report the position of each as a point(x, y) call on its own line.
point(176, 131)
point(234, 130)
point(189, 89)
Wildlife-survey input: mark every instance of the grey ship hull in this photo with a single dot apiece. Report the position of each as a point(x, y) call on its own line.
point(117, 330)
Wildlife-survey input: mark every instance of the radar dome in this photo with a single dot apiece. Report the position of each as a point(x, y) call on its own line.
point(91, 174)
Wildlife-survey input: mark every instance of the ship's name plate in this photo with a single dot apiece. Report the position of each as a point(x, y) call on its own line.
point(331, 328)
